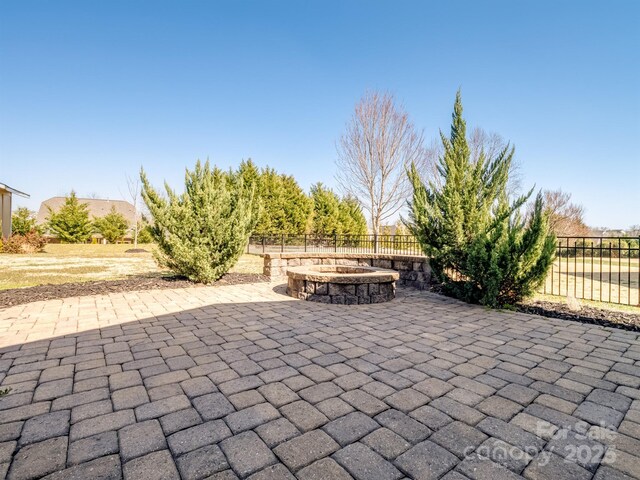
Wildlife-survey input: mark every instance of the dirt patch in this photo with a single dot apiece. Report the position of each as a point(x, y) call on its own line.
point(136, 250)
point(19, 296)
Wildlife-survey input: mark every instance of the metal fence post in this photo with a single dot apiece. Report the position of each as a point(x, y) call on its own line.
point(335, 242)
point(282, 243)
point(263, 244)
point(305, 242)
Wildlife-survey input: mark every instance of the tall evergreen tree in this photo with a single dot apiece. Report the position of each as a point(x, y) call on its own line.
point(250, 174)
point(480, 247)
point(71, 223)
point(113, 226)
point(297, 204)
point(351, 218)
point(333, 215)
point(285, 208)
point(202, 232)
point(326, 211)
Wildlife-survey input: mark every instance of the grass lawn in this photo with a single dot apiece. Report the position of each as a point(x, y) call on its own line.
point(92, 250)
point(83, 263)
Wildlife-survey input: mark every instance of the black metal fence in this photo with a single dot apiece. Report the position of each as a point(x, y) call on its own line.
point(392, 244)
point(604, 269)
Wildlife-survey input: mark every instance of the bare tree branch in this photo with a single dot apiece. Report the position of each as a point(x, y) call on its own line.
point(380, 142)
point(566, 219)
point(480, 142)
point(133, 186)
point(491, 144)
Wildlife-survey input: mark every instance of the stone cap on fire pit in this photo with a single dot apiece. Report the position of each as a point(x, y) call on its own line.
point(342, 274)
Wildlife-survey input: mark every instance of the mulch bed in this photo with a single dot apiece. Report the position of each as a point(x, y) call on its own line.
point(19, 296)
point(586, 314)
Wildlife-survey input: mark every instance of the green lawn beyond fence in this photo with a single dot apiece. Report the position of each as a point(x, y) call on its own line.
point(604, 269)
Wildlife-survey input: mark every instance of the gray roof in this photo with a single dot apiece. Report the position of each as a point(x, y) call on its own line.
point(13, 190)
point(97, 208)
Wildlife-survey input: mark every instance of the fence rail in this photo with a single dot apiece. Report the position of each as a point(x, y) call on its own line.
point(605, 269)
point(396, 244)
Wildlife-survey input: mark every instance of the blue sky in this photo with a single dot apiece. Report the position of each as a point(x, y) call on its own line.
point(91, 91)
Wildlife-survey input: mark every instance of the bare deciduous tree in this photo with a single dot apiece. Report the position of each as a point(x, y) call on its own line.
point(479, 141)
point(634, 231)
point(378, 145)
point(491, 144)
point(133, 186)
point(566, 219)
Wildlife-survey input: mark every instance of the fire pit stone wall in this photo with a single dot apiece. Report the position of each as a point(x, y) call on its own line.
point(413, 271)
point(340, 284)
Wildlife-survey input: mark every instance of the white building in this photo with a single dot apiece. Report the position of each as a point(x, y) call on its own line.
point(5, 207)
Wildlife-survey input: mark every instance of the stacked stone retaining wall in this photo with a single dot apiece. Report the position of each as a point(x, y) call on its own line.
point(414, 271)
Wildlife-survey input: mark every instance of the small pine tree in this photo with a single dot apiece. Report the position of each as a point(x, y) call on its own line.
point(113, 226)
point(144, 233)
point(480, 247)
point(71, 222)
point(202, 232)
point(23, 221)
point(510, 260)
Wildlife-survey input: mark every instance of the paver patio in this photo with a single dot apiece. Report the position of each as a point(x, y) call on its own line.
point(244, 382)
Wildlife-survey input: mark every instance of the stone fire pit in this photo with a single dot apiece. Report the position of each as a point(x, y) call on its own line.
point(342, 284)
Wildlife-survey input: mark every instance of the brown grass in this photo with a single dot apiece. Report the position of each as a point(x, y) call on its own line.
point(63, 263)
point(602, 280)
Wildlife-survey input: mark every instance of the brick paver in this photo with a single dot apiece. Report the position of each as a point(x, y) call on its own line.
point(245, 382)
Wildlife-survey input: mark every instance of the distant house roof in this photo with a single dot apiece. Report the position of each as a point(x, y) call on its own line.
point(13, 190)
point(97, 208)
